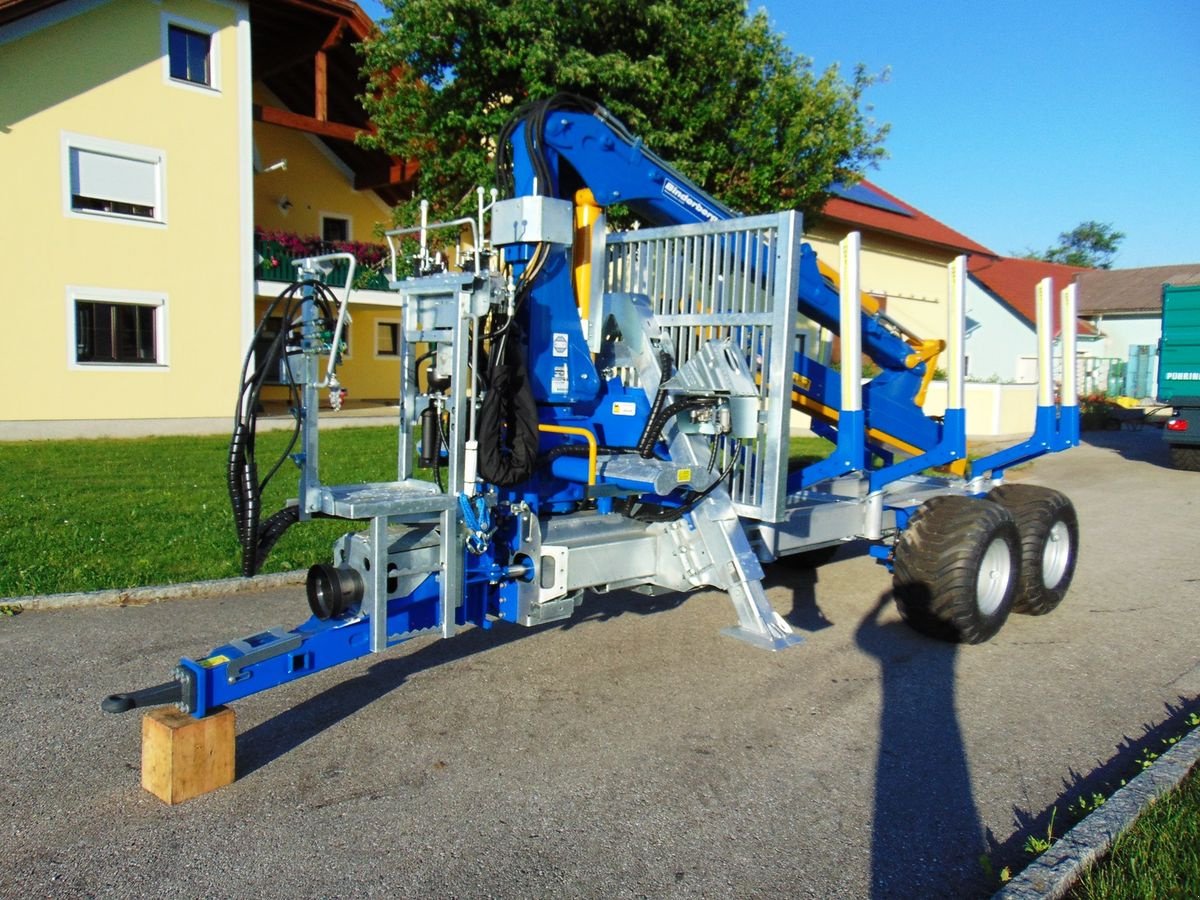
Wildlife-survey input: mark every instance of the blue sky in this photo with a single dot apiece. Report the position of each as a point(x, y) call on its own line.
point(1013, 121)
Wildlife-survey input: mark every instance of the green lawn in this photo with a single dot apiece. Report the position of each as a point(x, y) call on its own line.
point(85, 515)
point(1158, 857)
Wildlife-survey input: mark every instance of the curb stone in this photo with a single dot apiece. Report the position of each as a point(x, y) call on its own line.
point(142, 595)
point(1055, 872)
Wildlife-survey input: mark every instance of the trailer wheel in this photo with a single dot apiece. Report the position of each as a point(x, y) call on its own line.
point(1049, 531)
point(956, 570)
point(809, 559)
point(1186, 457)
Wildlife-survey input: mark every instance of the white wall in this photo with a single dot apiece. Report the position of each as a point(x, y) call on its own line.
point(1000, 340)
point(1120, 332)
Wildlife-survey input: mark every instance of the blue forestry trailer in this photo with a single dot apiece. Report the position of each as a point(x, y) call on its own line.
point(608, 410)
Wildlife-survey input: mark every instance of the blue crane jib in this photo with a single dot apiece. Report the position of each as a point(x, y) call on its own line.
point(582, 409)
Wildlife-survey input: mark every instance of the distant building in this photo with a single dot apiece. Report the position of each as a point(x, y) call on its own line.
point(1002, 320)
point(1125, 307)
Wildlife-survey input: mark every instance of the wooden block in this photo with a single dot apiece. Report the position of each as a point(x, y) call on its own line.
point(183, 757)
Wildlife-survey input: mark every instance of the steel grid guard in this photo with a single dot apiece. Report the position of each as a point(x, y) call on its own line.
point(736, 279)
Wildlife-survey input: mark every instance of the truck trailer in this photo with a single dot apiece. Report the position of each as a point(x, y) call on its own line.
point(1179, 373)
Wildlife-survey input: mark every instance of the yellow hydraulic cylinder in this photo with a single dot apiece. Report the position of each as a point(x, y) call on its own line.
point(587, 211)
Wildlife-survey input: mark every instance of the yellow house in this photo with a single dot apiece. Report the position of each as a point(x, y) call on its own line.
point(904, 253)
point(145, 148)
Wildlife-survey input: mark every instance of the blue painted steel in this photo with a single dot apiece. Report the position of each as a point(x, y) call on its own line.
point(620, 172)
point(952, 447)
point(323, 645)
point(1054, 429)
point(849, 453)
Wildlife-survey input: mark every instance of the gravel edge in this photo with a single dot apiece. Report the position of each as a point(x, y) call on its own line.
point(1055, 872)
point(144, 595)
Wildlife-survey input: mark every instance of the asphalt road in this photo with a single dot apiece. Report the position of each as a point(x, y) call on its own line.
point(632, 752)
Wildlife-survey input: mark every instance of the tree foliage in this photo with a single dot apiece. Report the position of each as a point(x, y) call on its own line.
point(707, 86)
point(1092, 244)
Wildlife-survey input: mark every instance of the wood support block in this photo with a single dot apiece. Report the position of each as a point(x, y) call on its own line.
point(183, 757)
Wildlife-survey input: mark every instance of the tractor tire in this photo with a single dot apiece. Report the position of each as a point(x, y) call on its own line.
point(957, 568)
point(809, 559)
point(1186, 457)
point(1049, 531)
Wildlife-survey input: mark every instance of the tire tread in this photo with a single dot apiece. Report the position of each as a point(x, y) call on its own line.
point(936, 566)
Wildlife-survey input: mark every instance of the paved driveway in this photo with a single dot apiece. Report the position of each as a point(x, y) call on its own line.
point(633, 751)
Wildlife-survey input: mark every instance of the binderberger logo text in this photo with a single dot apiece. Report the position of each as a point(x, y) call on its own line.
point(687, 201)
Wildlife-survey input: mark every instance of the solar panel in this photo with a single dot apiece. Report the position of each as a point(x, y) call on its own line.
point(866, 195)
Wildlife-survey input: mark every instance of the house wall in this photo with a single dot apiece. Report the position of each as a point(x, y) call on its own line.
point(365, 373)
point(315, 182)
point(911, 276)
point(116, 89)
point(1123, 331)
point(995, 347)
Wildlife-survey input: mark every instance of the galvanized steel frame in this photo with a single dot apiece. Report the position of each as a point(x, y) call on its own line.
point(736, 279)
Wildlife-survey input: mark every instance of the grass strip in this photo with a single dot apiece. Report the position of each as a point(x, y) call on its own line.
point(87, 515)
point(1158, 857)
point(92, 514)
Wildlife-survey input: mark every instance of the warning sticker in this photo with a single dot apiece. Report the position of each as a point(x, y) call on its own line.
point(684, 475)
point(560, 344)
point(213, 661)
point(624, 408)
point(561, 382)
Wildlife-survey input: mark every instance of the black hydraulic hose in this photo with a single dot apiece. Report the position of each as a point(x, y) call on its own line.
point(272, 531)
point(251, 512)
point(245, 488)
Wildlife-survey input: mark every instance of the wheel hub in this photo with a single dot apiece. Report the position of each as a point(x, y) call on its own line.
point(995, 574)
point(1056, 554)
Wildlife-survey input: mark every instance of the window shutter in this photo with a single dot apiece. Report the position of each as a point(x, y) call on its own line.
point(114, 178)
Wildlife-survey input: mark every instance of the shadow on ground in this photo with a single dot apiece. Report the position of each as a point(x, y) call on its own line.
point(1143, 445)
point(925, 811)
point(924, 807)
point(283, 733)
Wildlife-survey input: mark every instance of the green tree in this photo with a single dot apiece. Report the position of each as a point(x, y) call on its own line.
point(709, 87)
point(1092, 244)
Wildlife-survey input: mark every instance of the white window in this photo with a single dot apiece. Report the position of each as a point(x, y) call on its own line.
point(116, 329)
point(113, 180)
point(191, 54)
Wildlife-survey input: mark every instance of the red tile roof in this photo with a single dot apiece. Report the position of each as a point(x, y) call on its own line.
point(1014, 282)
point(916, 225)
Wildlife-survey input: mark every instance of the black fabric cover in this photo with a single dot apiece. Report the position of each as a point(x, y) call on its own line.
point(508, 420)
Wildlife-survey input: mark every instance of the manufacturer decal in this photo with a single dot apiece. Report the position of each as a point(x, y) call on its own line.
point(560, 383)
point(559, 347)
point(693, 204)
